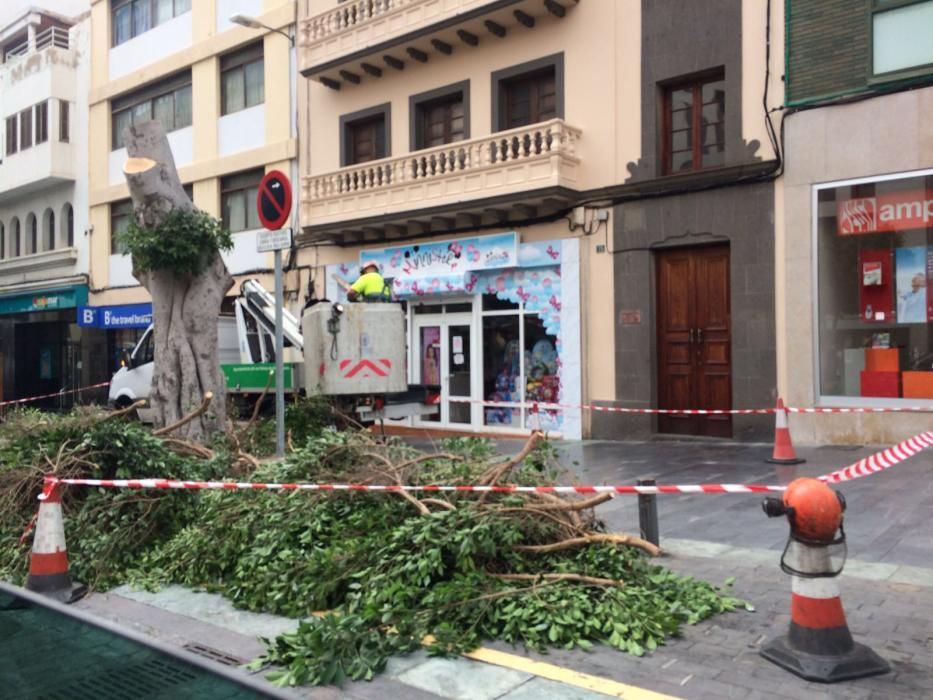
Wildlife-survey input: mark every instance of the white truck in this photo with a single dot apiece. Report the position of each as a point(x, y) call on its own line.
point(355, 355)
point(245, 347)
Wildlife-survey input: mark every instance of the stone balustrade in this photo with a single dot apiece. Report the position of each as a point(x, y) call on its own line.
point(551, 143)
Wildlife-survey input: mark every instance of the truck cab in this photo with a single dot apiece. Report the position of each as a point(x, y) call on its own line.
point(133, 381)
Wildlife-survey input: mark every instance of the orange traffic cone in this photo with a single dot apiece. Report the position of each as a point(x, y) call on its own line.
point(783, 447)
point(48, 567)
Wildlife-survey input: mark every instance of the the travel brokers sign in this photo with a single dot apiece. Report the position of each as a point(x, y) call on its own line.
point(111, 317)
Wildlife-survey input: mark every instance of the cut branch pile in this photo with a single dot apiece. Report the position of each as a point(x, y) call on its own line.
point(392, 571)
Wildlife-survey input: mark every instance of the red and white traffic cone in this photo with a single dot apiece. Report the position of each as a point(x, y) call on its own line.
point(48, 567)
point(818, 646)
point(783, 447)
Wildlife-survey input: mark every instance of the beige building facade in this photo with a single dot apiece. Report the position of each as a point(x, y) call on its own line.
point(479, 151)
point(226, 96)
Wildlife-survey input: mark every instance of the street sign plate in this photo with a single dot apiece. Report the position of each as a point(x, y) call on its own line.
point(274, 200)
point(273, 240)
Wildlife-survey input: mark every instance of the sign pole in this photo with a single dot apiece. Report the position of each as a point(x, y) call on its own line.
point(274, 205)
point(279, 365)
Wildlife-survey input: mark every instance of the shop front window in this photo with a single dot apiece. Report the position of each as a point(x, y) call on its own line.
point(542, 384)
point(875, 286)
point(502, 369)
point(520, 365)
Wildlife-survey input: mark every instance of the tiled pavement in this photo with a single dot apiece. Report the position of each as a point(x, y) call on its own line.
point(887, 588)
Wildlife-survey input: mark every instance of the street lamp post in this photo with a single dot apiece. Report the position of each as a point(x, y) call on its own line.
point(253, 23)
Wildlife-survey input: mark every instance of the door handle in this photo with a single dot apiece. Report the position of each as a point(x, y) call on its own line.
point(699, 335)
point(690, 335)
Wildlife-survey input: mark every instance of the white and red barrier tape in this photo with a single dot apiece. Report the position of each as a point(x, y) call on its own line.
point(870, 465)
point(427, 488)
point(880, 461)
point(63, 392)
point(536, 407)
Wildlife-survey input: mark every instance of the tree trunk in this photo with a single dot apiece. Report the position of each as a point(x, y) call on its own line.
point(184, 308)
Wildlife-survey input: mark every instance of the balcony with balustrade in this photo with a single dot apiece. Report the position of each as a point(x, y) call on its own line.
point(362, 39)
point(50, 38)
point(517, 174)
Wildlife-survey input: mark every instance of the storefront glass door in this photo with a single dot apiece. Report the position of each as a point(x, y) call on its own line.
point(458, 371)
point(444, 357)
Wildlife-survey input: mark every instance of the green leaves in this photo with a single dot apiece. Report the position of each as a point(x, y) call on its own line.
point(388, 576)
point(348, 646)
point(186, 242)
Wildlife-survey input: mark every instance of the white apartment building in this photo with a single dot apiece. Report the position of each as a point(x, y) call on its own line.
point(44, 260)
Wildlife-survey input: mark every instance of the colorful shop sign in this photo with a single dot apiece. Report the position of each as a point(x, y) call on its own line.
point(124, 316)
point(446, 257)
point(45, 300)
point(897, 211)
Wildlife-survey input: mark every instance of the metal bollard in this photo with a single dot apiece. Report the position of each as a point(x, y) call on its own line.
point(648, 514)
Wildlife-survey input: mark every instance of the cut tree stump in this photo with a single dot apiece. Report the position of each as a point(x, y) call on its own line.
point(185, 308)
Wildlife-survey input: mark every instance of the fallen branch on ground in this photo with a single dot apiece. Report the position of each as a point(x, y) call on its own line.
point(576, 542)
point(575, 578)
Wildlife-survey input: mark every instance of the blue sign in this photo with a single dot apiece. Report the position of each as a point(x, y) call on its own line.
point(109, 317)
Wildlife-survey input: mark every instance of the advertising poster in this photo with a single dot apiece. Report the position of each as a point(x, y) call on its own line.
point(876, 286)
point(911, 284)
point(431, 355)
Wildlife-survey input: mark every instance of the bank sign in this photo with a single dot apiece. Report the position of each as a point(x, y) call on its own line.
point(898, 211)
point(112, 317)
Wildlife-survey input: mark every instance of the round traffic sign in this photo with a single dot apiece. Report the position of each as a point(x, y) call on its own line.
point(274, 200)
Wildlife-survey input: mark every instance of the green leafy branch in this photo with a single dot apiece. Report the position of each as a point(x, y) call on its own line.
point(185, 242)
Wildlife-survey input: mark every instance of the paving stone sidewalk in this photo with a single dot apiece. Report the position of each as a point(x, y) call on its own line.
point(718, 658)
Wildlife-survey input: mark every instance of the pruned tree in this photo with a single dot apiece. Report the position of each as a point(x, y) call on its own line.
point(176, 256)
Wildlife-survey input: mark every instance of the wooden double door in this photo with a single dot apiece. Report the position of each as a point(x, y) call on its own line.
point(694, 339)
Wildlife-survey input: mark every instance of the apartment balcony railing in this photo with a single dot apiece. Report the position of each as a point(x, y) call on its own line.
point(362, 38)
point(52, 37)
point(352, 15)
point(510, 162)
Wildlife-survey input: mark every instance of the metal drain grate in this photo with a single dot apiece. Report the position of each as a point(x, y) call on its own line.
point(213, 654)
point(142, 680)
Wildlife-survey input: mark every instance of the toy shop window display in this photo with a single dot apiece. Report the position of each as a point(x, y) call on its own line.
point(520, 366)
point(502, 370)
point(542, 383)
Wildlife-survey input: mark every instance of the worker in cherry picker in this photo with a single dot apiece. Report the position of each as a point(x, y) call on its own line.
point(370, 286)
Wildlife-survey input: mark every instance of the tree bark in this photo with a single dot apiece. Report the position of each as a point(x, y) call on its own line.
point(184, 308)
